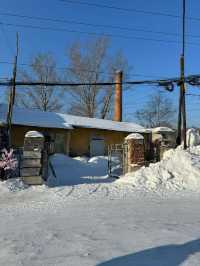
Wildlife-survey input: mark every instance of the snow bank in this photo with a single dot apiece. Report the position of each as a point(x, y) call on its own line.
point(193, 137)
point(75, 171)
point(179, 170)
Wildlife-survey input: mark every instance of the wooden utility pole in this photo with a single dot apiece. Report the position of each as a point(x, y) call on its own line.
point(182, 108)
point(118, 96)
point(12, 93)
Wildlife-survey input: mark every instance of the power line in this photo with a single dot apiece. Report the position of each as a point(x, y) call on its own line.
point(119, 8)
point(6, 39)
point(92, 24)
point(192, 94)
point(96, 34)
point(165, 83)
point(59, 68)
point(141, 11)
point(79, 69)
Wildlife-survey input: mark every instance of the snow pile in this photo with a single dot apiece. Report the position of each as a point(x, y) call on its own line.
point(179, 170)
point(13, 185)
point(75, 171)
point(193, 137)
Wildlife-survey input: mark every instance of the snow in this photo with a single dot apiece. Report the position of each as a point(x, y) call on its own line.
point(28, 117)
point(57, 120)
point(85, 218)
point(12, 185)
point(161, 129)
point(193, 137)
point(75, 171)
point(42, 226)
point(134, 136)
point(179, 170)
point(34, 134)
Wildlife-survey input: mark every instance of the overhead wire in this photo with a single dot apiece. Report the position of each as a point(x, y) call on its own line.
point(95, 33)
point(8, 45)
point(81, 70)
point(39, 18)
point(118, 8)
point(168, 84)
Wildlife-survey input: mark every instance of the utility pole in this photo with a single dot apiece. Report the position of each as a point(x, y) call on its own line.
point(181, 136)
point(118, 96)
point(12, 93)
point(183, 80)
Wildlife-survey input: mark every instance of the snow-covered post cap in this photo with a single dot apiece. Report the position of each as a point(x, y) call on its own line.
point(134, 136)
point(34, 134)
point(162, 130)
point(33, 141)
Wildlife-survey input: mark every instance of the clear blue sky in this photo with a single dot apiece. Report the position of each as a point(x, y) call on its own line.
point(147, 57)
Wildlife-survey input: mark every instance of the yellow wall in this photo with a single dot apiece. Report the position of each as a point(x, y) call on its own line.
point(18, 134)
point(81, 137)
point(77, 140)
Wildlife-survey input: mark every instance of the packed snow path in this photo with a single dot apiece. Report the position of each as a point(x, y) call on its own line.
point(38, 228)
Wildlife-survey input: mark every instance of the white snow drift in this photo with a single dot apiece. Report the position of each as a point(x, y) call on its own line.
point(178, 170)
point(75, 171)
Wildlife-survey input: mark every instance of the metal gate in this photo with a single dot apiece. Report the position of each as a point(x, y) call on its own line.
point(117, 159)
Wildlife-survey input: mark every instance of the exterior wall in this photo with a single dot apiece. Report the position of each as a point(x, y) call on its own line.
point(18, 134)
point(77, 141)
point(81, 137)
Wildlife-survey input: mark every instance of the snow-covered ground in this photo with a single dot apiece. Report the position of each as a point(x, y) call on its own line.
point(179, 170)
point(85, 218)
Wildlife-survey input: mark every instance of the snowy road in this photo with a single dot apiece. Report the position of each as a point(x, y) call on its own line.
point(46, 227)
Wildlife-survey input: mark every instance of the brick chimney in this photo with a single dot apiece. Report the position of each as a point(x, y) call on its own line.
point(118, 97)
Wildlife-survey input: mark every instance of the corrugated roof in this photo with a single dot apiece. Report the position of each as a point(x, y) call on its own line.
point(39, 118)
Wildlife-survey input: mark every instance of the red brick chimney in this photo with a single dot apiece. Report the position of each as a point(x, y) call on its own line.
point(118, 97)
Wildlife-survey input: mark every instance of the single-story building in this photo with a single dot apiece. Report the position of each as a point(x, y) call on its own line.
point(73, 135)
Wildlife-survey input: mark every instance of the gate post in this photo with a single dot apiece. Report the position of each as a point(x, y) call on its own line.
point(136, 151)
point(31, 166)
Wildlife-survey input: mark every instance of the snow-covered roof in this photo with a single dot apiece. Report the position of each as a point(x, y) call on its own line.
point(161, 129)
point(57, 120)
point(35, 118)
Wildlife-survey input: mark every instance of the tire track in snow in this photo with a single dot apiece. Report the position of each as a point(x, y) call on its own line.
point(62, 195)
point(95, 190)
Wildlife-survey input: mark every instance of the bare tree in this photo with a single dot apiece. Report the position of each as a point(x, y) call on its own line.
point(158, 111)
point(91, 63)
point(43, 69)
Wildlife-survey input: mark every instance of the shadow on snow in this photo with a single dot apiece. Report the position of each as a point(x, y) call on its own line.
point(169, 255)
